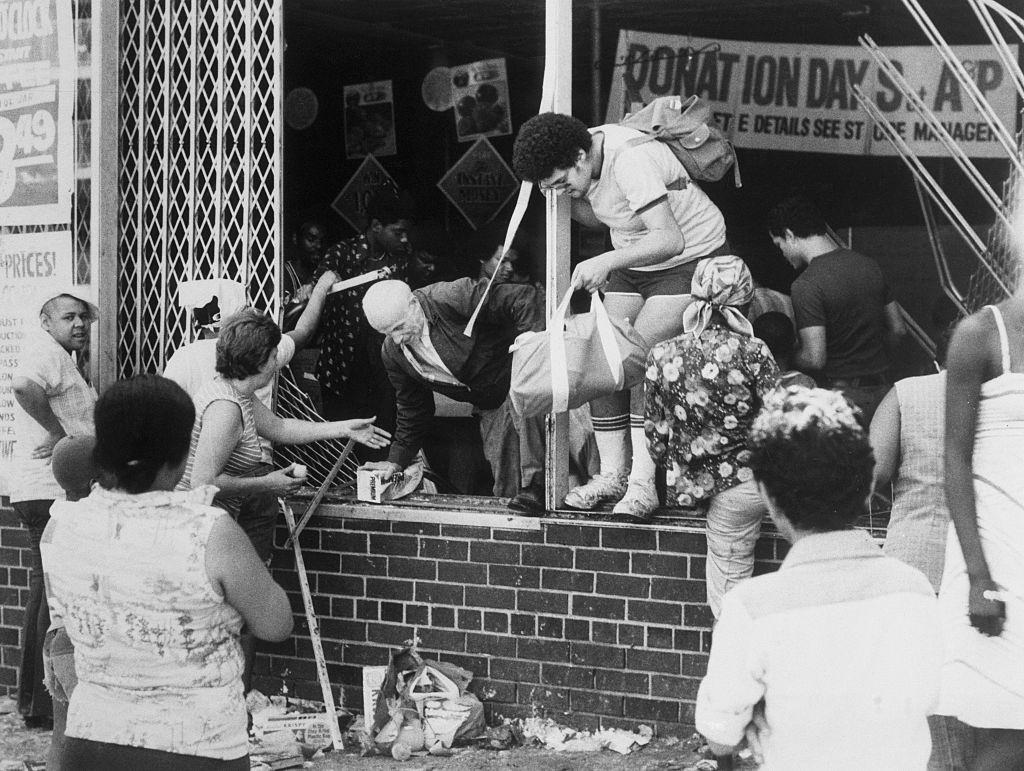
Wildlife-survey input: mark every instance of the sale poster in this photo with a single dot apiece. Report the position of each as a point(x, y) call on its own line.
point(37, 94)
point(480, 97)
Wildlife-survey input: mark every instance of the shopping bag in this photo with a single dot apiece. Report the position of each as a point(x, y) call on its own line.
point(575, 360)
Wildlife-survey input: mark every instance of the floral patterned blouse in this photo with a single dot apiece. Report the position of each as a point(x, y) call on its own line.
point(343, 326)
point(702, 395)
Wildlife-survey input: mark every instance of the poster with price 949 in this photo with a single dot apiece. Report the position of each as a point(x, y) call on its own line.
point(37, 93)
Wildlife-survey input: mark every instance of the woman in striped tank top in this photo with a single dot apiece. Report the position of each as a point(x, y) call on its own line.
point(229, 421)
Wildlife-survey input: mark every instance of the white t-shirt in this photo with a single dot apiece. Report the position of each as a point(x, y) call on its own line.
point(195, 364)
point(638, 176)
point(48, 365)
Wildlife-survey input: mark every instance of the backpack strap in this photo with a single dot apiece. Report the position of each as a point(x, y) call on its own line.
point(644, 138)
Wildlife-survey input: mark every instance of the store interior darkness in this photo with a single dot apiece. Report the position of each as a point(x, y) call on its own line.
point(333, 43)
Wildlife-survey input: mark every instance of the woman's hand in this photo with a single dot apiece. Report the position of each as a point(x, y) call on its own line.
point(281, 482)
point(986, 615)
point(363, 431)
point(591, 274)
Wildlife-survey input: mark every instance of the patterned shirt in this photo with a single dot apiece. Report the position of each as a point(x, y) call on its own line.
point(157, 649)
point(702, 394)
point(343, 326)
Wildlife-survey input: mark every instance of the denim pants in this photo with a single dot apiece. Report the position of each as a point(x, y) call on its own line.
point(33, 700)
point(60, 678)
point(734, 522)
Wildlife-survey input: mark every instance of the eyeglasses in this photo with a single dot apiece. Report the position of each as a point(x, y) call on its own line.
point(560, 183)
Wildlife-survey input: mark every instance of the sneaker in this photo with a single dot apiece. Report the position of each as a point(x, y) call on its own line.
point(638, 504)
point(602, 487)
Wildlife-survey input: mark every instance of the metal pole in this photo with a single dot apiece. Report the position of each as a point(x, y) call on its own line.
point(314, 632)
point(315, 503)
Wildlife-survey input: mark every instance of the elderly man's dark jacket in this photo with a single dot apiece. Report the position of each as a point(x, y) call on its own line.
point(481, 363)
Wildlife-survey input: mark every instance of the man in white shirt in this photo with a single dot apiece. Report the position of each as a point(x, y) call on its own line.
point(52, 400)
point(841, 647)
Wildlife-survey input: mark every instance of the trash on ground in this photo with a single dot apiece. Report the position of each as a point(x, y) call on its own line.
point(304, 721)
point(561, 738)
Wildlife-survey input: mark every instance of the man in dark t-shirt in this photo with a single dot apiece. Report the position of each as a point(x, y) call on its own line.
point(846, 317)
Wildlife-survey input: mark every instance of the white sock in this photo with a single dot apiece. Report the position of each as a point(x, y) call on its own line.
point(642, 470)
point(612, 445)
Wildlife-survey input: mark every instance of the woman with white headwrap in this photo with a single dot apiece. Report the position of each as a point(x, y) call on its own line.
point(703, 390)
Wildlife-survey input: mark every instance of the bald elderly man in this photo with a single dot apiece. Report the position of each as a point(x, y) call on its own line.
point(425, 352)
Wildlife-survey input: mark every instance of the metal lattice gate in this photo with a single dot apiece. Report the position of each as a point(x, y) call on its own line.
point(199, 163)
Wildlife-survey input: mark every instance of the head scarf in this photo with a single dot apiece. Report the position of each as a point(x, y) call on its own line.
point(720, 284)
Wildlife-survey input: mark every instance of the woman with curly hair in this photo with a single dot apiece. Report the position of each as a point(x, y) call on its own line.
point(832, 661)
point(661, 224)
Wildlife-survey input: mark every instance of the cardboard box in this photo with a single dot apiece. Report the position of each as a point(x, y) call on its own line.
point(369, 485)
point(373, 679)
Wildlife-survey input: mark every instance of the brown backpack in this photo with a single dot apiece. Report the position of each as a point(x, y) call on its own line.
point(688, 129)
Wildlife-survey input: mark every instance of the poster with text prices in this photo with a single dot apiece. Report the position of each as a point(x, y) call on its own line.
point(351, 202)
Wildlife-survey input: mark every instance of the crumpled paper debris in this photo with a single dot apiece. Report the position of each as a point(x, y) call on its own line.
point(563, 739)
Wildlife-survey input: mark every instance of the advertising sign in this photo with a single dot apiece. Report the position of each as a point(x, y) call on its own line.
point(29, 264)
point(368, 179)
point(479, 184)
point(369, 120)
point(480, 97)
point(800, 97)
point(37, 94)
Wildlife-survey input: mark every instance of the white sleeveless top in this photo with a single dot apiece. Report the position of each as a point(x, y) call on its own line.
point(157, 648)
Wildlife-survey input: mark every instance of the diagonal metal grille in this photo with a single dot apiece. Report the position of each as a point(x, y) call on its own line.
point(199, 164)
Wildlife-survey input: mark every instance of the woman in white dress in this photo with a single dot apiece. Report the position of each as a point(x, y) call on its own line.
point(982, 590)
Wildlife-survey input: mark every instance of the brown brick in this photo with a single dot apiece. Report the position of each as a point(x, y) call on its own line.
point(651, 709)
point(389, 589)
point(345, 542)
point(677, 590)
point(596, 702)
point(604, 633)
point(659, 637)
point(388, 634)
point(635, 683)
point(490, 597)
point(694, 664)
point(549, 626)
point(514, 575)
point(652, 661)
point(402, 567)
point(523, 536)
point(491, 644)
point(516, 670)
point(670, 687)
point(416, 528)
point(523, 624)
point(623, 586)
point(444, 549)
point(600, 607)
point(348, 586)
point(602, 560)
point(367, 610)
point(475, 664)
point(591, 655)
point(542, 650)
point(442, 617)
point(417, 615)
point(679, 541)
point(697, 615)
point(671, 565)
point(698, 568)
point(443, 640)
point(462, 572)
point(687, 640)
point(572, 535)
point(364, 565)
point(544, 697)
point(342, 607)
point(567, 580)
point(497, 553)
point(629, 539)
point(493, 622)
point(447, 594)
point(542, 602)
point(654, 612)
point(470, 619)
point(391, 611)
point(466, 531)
point(577, 629)
point(364, 655)
point(379, 525)
point(547, 556)
point(394, 545)
point(567, 676)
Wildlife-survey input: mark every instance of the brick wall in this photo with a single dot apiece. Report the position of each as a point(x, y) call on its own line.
point(582, 621)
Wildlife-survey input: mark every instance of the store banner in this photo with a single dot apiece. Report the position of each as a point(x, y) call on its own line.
point(779, 96)
point(479, 184)
point(351, 202)
point(370, 120)
point(480, 97)
point(37, 95)
point(30, 263)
